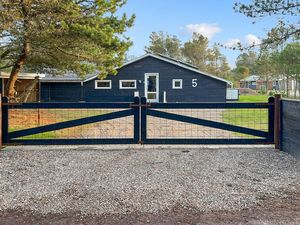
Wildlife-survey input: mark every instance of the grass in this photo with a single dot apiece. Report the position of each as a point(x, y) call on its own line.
point(250, 118)
point(253, 98)
point(45, 135)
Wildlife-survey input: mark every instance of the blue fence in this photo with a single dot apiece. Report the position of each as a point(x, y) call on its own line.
point(290, 127)
point(138, 122)
point(248, 135)
point(12, 136)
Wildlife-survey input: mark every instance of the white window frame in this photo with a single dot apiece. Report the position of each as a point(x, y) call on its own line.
point(157, 86)
point(176, 80)
point(121, 87)
point(102, 81)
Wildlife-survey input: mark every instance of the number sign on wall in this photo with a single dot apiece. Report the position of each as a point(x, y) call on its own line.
point(194, 83)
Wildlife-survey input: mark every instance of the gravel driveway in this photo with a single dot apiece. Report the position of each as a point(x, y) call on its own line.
point(92, 181)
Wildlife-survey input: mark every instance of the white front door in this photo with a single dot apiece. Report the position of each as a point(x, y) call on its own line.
point(152, 87)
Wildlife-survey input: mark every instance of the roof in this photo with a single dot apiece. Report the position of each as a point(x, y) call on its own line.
point(72, 77)
point(177, 63)
point(68, 77)
point(23, 76)
point(251, 78)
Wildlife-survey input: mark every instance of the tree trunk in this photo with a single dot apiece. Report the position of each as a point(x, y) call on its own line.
point(287, 86)
point(19, 63)
point(28, 90)
point(10, 86)
point(296, 88)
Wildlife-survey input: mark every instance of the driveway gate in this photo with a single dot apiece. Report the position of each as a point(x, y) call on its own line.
point(70, 123)
point(138, 122)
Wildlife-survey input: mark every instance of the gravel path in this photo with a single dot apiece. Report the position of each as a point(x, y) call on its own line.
point(94, 181)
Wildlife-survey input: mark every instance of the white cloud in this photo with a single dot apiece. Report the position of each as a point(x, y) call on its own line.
point(207, 30)
point(251, 39)
point(232, 43)
point(247, 40)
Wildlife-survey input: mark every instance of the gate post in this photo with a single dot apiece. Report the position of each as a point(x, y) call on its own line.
point(271, 112)
point(0, 122)
point(136, 114)
point(277, 119)
point(4, 118)
point(143, 120)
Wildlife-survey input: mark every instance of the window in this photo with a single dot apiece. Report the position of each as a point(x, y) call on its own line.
point(103, 84)
point(177, 83)
point(127, 84)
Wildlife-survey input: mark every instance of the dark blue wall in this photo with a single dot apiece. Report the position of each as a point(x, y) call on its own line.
point(208, 89)
point(290, 130)
point(61, 92)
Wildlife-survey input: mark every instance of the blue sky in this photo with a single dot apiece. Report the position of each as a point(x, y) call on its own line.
point(214, 18)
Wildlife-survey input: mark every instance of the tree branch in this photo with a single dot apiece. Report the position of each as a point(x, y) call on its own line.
point(84, 57)
point(6, 66)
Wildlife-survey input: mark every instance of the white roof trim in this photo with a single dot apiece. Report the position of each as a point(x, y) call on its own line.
point(68, 80)
point(177, 64)
point(90, 78)
point(27, 76)
point(61, 81)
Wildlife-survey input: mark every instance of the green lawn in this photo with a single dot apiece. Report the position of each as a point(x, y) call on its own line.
point(250, 118)
point(253, 98)
point(44, 135)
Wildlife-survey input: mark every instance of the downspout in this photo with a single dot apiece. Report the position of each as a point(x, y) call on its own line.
point(81, 94)
point(2, 86)
point(39, 91)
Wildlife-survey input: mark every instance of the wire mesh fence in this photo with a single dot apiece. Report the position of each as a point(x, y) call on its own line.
point(22, 119)
point(141, 122)
point(248, 118)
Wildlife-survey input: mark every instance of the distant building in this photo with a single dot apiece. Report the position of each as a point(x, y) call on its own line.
point(255, 82)
point(281, 83)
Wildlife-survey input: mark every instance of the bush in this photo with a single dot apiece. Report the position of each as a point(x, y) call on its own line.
point(275, 92)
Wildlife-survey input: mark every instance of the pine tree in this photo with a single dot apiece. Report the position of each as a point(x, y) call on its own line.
point(164, 44)
point(64, 35)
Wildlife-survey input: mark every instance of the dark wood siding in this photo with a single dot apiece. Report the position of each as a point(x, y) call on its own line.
point(61, 92)
point(207, 90)
point(291, 127)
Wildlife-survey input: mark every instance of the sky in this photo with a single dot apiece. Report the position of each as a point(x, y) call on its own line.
point(215, 19)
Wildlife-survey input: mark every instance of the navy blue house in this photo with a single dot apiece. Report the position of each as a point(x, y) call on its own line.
point(159, 78)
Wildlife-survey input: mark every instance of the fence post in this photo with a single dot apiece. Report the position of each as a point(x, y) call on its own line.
point(143, 120)
point(0, 121)
point(271, 114)
point(136, 108)
point(4, 120)
point(277, 119)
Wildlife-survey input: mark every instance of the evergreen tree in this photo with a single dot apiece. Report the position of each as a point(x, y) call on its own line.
point(247, 59)
point(196, 51)
point(65, 35)
point(164, 44)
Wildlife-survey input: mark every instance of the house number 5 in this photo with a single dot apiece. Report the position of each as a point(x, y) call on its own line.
point(194, 83)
